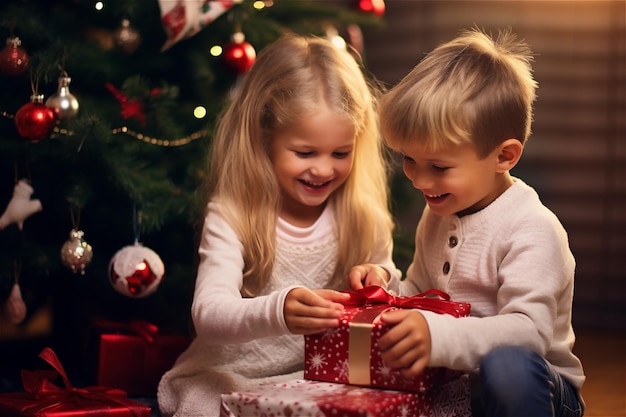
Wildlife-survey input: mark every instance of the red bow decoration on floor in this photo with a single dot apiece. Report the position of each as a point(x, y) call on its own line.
point(50, 396)
point(433, 300)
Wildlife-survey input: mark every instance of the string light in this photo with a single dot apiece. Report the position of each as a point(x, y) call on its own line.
point(215, 50)
point(160, 142)
point(170, 143)
point(199, 112)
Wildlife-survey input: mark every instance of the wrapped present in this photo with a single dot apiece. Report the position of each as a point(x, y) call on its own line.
point(43, 398)
point(306, 398)
point(134, 355)
point(349, 354)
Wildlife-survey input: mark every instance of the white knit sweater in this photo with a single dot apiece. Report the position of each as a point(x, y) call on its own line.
point(242, 342)
point(513, 264)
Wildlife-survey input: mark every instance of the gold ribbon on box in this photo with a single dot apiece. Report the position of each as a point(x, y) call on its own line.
point(360, 344)
point(375, 300)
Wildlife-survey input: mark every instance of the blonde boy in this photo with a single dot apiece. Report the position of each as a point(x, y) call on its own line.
point(461, 118)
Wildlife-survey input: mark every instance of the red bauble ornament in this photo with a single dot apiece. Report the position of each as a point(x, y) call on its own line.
point(136, 271)
point(239, 54)
point(13, 58)
point(376, 7)
point(34, 121)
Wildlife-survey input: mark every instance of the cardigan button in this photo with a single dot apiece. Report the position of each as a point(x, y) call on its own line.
point(453, 241)
point(446, 268)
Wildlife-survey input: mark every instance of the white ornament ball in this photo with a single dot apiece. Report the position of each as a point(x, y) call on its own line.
point(136, 271)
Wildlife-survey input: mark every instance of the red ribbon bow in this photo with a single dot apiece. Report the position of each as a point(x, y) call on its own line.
point(145, 329)
point(432, 300)
point(50, 396)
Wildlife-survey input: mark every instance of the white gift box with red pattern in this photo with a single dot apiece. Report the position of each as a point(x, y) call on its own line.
point(349, 354)
point(306, 398)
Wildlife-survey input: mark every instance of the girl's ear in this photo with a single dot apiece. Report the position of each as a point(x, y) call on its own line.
point(509, 153)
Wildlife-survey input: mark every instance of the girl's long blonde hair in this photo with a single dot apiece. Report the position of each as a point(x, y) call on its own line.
point(285, 84)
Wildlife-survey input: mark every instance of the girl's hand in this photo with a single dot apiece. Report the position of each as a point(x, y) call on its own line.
point(312, 311)
point(368, 274)
point(407, 344)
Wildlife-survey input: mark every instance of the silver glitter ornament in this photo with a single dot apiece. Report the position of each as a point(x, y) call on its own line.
point(76, 253)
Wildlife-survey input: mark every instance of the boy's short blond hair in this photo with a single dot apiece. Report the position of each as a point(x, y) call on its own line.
point(473, 89)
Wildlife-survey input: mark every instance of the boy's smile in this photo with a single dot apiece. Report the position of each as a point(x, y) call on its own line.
point(454, 180)
point(434, 199)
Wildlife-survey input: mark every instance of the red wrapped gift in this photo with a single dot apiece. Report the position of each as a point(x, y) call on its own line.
point(306, 398)
point(349, 354)
point(45, 399)
point(133, 356)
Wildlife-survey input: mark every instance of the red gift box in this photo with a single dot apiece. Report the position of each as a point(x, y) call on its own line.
point(45, 399)
point(133, 356)
point(306, 398)
point(349, 354)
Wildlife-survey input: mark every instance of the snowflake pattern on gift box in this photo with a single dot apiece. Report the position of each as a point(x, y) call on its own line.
point(385, 373)
point(327, 358)
point(331, 334)
point(342, 370)
point(317, 361)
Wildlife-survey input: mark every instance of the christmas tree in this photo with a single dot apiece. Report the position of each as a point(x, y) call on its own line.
point(108, 109)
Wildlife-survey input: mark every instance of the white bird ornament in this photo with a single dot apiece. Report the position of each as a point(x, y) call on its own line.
point(21, 206)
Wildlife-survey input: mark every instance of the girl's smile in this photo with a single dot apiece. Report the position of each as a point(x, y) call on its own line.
point(315, 187)
point(312, 158)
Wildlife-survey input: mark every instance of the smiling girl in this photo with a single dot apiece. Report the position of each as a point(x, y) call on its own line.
point(296, 195)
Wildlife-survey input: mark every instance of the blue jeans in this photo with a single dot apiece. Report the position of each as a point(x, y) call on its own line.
point(515, 381)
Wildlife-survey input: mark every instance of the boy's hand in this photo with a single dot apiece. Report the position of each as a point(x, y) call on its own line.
point(368, 274)
point(407, 344)
point(312, 311)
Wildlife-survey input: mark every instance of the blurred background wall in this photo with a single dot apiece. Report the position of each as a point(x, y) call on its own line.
point(576, 155)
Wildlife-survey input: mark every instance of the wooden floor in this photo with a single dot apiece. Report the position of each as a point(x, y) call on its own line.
point(603, 355)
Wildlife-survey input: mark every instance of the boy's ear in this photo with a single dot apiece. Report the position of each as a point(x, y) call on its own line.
point(510, 151)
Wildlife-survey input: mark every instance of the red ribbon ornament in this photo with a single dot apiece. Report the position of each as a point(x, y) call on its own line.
point(49, 396)
point(433, 300)
point(131, 108)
